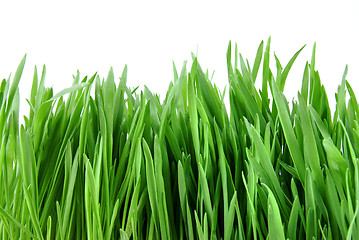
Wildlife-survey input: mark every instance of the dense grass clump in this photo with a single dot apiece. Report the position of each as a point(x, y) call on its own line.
point(119, 164)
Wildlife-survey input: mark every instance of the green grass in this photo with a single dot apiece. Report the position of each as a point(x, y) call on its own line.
point(121, 164)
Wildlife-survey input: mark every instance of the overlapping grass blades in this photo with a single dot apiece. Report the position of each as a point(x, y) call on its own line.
point(121, 164)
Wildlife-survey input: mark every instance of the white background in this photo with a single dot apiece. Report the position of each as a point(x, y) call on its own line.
point(147, 36)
